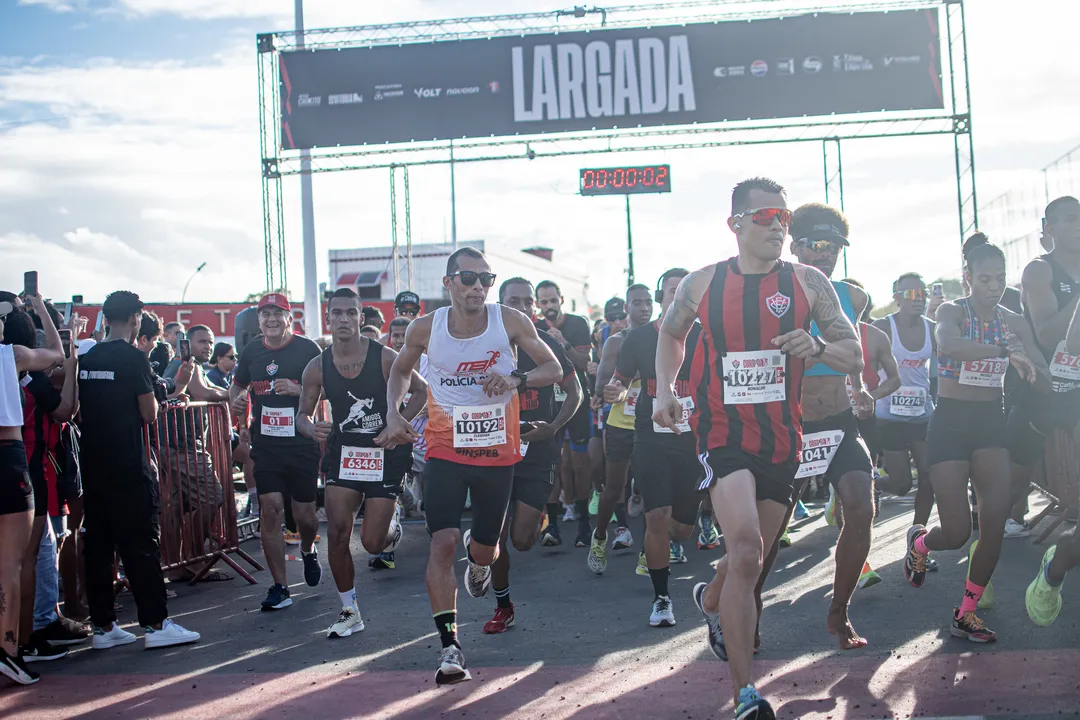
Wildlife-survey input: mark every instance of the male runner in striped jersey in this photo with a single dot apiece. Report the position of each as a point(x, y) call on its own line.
point(755, 313)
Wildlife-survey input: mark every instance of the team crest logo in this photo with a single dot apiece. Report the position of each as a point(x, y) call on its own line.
point(735, 364)
point(272, 368)
point(778, 304)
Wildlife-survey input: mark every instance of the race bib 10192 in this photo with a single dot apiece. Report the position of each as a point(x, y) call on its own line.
point(479, 426)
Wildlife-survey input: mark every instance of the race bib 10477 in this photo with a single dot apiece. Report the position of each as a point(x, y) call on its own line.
point(755, 377)
point(984, 373)
point(818, 450)
point(908, 402)
point(479, 426)
point(361, 464)
point(278, 422)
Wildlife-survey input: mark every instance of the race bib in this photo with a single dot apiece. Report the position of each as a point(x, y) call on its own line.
point(361, 464)
point(523, 447)
point(908, 402)
point(599, 420)
point(754, 377)
point(479, 426)
point(1064, 366)
point(560, 394)
point(630, 408)
point(984, 373)
point(684, 424)
point(818, 450)
point(278, 422)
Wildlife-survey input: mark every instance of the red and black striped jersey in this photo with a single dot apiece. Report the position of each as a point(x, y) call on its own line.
point(740, 315)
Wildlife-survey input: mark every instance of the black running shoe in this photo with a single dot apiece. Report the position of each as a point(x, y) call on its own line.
point(312, 568)
point(915, 561)
point(14, 668)
point(65, 631)
point(39, 650)
point(277, 597)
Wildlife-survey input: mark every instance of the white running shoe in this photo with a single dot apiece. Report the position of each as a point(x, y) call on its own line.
point(662, 614)
point(105, 640)
point(623, 539)
point(477, 577)
point(1014, 529)
point(635, 506)
point(394, 534)
point(570, 515)
point(170, 634)
point(348, 622)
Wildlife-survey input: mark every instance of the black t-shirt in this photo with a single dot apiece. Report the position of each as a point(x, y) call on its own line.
point(273, 416)
point(578, 334)
point(112, 376)
point(539, 403)
point(637, 358)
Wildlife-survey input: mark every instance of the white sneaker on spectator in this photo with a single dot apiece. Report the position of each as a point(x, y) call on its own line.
point(169, 634)
point(103, 640)
point(1014, 529)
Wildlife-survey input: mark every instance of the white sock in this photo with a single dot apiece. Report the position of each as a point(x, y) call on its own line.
point(348, 599)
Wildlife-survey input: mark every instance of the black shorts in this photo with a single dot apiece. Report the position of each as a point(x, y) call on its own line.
point(396, 463)
point(447, 483)
point(900, 436)
point(532, 485)
point(41, 493)
point(852, 455)
point(618, 443)
point(960, 427)
point(868, 429)
point(774, 481)
point(579, 429)
point(292, 471)
point(669, 475)
point(16, 491)
point(1030, 422)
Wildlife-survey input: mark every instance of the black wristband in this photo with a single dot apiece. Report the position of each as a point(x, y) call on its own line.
point(821, 347)
point(1004, 351)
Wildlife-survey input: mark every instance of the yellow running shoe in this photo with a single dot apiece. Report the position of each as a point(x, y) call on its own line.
point(830, 509)
point(1043, 600)
point(642, 565)
point(785, 540)
point(987, 599)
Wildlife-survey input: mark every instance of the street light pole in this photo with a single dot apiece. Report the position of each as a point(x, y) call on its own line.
point(183, 295)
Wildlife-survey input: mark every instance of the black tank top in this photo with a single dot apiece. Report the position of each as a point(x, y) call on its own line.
point(1064, 287)
point(357, 406)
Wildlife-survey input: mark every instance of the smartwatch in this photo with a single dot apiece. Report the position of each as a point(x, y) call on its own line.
point(820, 347)
point(522, 376)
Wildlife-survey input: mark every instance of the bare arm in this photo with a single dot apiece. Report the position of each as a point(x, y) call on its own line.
point(522, 333)
point(1072, 335)
point(609, 356)
point(69, 394)
point(881, 348)
point(843, 352)
point(148, 408)
point(399, 380)
point(679, 318)
point(950, 337)
point(417, 385)
point(199, 390)
point(1019, 326)
point(310, 394)
point(1049, 323)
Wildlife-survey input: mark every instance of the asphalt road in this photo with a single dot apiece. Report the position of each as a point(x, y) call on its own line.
point(582, 646)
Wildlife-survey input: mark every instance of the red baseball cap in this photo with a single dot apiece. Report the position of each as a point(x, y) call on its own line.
point(275, 300)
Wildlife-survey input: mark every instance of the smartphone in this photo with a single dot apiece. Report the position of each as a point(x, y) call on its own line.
point(65, 340)
point(100, 321)
point(30, 287)
point(183, 347)
point(938, 290)
point(67, 313)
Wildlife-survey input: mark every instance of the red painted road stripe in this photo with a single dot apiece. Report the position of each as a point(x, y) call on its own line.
point(998, 684)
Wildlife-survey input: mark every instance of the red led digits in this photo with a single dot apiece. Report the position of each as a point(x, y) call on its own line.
point(625, 180)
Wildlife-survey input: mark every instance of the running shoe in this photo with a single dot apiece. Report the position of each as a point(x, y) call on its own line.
point(931, 564)
point(623, 539)
point(312, 568)
point(1014, 529)
point(594, 503)
point(105, 640)
point(915, 561)
point(170, 634)
point(348, 622)
point(662, 614)
point(635, 506)
point(14, 668)
point(597, 559)
point(1043, 599)
point(712, 623)
point(37, 649)
point(642, 565)
point(987, 599)
point(801, 513)
point(382, 561)
point(752, 706)
point(972, 628)
point(785, 540)
point(394, 534)
point(676, 554)
point(584, 535)
point(502, 620)
point(551, 537)
point(570, 515)
point(830, 508)
point(277, 598)
point(709, 537)
point(452, 668)
point(292, 538)
point(868, 577)
point(65, 631)
point(477, 577)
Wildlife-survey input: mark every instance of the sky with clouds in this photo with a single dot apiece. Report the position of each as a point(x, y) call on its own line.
point(129, 138)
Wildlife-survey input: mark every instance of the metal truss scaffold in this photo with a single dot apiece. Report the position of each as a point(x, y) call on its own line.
point(277, 163)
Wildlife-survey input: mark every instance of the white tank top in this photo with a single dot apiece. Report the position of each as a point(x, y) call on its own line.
point(464, 424)
point(912, 402)
point(11, 414)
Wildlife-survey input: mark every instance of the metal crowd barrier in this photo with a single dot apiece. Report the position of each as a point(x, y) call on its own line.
point(191, 447)
point(1060, 475)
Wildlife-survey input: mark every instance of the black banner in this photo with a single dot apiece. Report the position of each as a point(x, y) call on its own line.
point(703, 73)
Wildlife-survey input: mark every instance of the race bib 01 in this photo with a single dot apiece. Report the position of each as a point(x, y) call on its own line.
point(755, 377)
point(479, 426)
point(818, 450)
point(361, 464)
point(984, 373)
point(630, 407)
point(908, 402)
point(278, 422)
point(684, 424)
point(1064, 369)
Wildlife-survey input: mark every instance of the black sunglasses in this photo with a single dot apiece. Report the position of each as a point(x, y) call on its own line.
point(412, 311)
point(616, 316)
point(231, 357)
point(469, 278)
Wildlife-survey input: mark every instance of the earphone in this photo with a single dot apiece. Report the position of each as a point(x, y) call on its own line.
point(737, 226)
point(658, 295)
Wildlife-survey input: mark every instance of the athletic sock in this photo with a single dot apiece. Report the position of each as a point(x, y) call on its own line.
point(446, 622)
point(348, 599)
point(581, 507)
point(503, 596)
point(620, 515)
point(920, 544)
point(972, 593)
point(660, 581)
point(553, 510)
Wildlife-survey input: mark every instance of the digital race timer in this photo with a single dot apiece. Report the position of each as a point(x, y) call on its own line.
point(626, 180)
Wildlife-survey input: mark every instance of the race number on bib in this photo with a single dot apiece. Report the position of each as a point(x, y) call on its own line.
point(683, 424)
point(754, 377)
point(479, 426)
point(560, 393)
point(1064, 367)
point(630, 407)
point(908, 402)
point(984, 373)
point(361, 464)
point(278, 422)
point(818, 450)
point(523, 447)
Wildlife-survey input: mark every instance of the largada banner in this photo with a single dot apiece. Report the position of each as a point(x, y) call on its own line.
point(806, 65)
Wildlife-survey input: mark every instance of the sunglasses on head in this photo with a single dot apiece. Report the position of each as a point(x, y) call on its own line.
point(469, 278)
point(765, 216)
point(912, 294)
point(615, 317)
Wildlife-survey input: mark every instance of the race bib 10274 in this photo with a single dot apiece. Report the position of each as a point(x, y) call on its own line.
point(755, 377)
point(361, 464)
point(818, 450)
point(908, 402)
point(984, 373)
point(479, 426)
point(278, 422)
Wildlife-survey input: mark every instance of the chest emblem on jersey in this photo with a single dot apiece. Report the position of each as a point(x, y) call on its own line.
point(778, 304)
point(1067, 288)
point(272, 368)
point(479, 367)
point(358, 420)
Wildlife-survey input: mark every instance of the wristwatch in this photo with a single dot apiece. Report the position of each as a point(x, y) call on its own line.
point(820, 347)
point(522, 376)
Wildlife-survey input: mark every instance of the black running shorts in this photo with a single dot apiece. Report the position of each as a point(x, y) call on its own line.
point(618, 443)
point(852, 455)
point(446, 485)
point(774, 481)
point(669, 475)
point(579, 428)
point(960, 427)
point(292, 471)
point(900, 436)
point(532, 485)
point(396, 463)
point(16, 491)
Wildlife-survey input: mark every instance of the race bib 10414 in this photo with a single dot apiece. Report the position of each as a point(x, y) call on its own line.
point(818, 450)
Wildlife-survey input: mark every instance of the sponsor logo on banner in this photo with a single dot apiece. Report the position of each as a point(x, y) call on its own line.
point(902, 60)
point(730, 71)
point(758, 68)
point(494, 87)
point(778, 304)
point(812, 65)
point(785, 66)
point(309, 100)
point(427, 92)
point(386, 92)
point(474, 90)
point(853, 63)
point(345, 99)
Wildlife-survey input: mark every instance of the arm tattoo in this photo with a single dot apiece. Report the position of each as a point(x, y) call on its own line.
point(680, 316)
point(830, 319)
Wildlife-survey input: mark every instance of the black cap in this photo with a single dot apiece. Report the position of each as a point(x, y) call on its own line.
point(614, 306)
point(406, 297)
point(825, 232)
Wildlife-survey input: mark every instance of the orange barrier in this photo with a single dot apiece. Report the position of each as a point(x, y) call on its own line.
point(1060, 474)
point(191, 448)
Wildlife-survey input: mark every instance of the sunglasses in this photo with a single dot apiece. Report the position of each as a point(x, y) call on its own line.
point(469, 278)
point(823, 246)
point(416, 311)
point(231, 357)
point(765, 216)
point(615, 317)
point(912, 294)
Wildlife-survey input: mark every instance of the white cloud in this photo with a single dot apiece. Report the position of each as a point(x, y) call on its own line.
point(60, 6)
